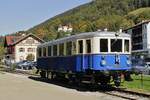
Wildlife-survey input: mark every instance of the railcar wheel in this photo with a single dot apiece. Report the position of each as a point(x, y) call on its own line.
point(127, 76)
point(43, 74)
point(117, 79)
point(49, 75)
point(71, 79)
point(79, 79)
point(117, 83)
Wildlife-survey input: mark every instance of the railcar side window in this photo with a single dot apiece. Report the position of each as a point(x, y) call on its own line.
point(126, 46)
point(69, 48)
point(44, 51)
point(61, 49)
point(39, 52)
point(116, 45)
point(73, 47)
point(49, 51)
point(88, 46)
point(80, 46)
point(54, 50)
point(103, 45)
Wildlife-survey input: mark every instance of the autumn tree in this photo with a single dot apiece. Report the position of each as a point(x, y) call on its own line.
point(30, 57)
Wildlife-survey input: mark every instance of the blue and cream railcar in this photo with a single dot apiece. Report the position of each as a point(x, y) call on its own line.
point(95, 52)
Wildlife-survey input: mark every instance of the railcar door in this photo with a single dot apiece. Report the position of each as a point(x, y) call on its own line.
point(88, 56)
point(80, 60)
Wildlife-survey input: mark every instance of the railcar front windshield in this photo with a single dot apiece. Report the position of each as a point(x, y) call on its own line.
point(116, 45)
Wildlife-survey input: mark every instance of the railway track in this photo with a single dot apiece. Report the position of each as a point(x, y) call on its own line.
point(147, 95)
point(128, 96)
point(18, 72)
point(118, 92)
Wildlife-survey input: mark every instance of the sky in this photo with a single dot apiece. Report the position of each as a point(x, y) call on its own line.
point(20, 15)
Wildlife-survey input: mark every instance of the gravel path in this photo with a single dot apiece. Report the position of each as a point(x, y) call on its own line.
point(20, 87)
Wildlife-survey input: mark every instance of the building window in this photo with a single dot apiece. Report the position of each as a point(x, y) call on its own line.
point(68, 48)
point(61, 49)
point(54, 50)
point(21, 50)
point(116, 45)
point(88, 46)
point(80, 46)
point(31, 49)
point(103, 45)
point(49, 51)
point(137, 38)
point(126, 46)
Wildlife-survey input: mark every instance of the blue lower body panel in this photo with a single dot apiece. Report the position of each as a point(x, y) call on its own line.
point(80, 63)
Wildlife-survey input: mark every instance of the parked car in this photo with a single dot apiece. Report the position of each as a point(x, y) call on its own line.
point(26, 65)
point(19, 64)
point(141, 68)
point(34, 64)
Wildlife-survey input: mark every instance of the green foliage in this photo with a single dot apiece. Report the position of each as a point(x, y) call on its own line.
point(13, 67)
point(139, 15)
point(137, 84)
point(30, 57)
point(114, 22)
point(2, 52)
point(98, 14)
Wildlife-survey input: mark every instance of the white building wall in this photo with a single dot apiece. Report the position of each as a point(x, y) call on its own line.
point(65, 29)
point(23, 44)
point(144, 35)
point(148, 35)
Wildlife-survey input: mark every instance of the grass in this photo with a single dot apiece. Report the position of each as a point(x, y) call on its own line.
point(137, 84)
point(139, 11)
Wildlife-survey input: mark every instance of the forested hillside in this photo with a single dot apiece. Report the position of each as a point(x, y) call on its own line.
point(98, 14)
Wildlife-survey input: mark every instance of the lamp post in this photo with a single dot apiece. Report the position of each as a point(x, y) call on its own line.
point(142, 58)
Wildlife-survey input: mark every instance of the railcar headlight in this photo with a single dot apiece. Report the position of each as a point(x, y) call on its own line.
point(103, 61)
point(128, 61)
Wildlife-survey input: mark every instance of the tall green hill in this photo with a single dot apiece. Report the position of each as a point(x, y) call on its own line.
point(98, 14)
point(139, 15)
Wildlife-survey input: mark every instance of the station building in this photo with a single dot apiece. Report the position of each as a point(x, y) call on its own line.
point(19, 47)
point(140, 34)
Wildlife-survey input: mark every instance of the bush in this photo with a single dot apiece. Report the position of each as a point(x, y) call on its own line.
point(30, 57)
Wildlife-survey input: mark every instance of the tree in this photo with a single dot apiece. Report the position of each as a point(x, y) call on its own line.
point(2, 52)
point(98, 14)
point(30, 57)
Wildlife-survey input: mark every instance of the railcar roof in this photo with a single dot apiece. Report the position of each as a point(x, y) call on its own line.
point(85, 35)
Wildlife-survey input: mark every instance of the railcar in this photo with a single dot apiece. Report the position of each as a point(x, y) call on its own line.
point(97, 57)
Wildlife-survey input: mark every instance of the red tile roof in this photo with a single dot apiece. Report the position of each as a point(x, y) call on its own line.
point(12, 40)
